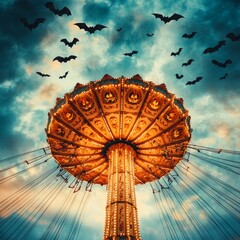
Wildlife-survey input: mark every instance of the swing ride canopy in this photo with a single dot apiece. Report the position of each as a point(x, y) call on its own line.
point(84, 124)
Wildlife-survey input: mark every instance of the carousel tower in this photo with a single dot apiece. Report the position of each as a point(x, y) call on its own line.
point(121, 211)
point(119, 132)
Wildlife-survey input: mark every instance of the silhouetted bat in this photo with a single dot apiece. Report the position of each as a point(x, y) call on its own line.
point(119, 29)
point(67, 43)
point(58, 12)
point(224, 77)
point(223, 65)
point(233, 37)
point(198, 79)
point(91, 30)
point(130, 53)
point(64, 59)
point(187, 63)
point(185, 35)
point(165, 19)
point(178, 76)
point(32, 25)
point(150, 35)
point(64, 76)
point(176, 53)
point(215, 48)
point(43, 74)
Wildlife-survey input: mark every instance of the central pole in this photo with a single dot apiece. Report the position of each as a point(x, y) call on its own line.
point(121, 211)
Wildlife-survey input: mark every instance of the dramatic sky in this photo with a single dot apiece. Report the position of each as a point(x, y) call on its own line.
point(26, 97)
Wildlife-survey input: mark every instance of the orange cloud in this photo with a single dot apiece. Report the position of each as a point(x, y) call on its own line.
point(224, 130)
point(28, 69)
point(47, 91)
point(71, 26)
point(49, 39)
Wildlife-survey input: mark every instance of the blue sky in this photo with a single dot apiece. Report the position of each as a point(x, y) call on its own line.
point(26, 97)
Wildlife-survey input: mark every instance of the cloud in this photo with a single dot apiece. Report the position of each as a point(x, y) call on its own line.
point(26, 98)
point(16, 46)
point(93, 11)
point(47, 91)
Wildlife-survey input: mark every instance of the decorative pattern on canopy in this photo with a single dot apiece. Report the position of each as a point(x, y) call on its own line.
point(93, 117)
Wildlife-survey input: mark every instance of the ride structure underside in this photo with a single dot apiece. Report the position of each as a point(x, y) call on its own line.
point(120, 132)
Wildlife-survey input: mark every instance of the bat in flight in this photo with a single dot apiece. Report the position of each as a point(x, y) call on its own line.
point(187, 63)
point(224, 77)
point(185, 35)
point(64, 59)
point(223, 65)
point(176, 53)
point(64, 76)
point(91, 29)
point(119, 29)
point(150, 35)
point(69, 44)
point(215, 48)
point(166, 19)
point(43, 74)
point(233, 37)
point(33, 25)
point(58, 12)
point(198, 79)
point(131, 53)
point(178, 76)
